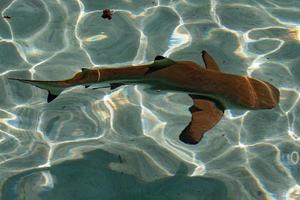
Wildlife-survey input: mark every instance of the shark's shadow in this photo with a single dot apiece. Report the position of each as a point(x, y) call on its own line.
point(90, 178)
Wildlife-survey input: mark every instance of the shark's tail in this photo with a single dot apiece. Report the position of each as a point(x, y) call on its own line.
point(54, 88)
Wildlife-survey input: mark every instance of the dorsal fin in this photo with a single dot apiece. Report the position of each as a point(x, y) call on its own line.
point(84, 69)
point(159, 57)
point(160, 62)
point(209, 62)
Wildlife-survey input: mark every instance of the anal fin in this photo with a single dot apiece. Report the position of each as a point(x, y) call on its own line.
point(115, 85)
point(206, 113)
point(95, 88)
point(51, 97)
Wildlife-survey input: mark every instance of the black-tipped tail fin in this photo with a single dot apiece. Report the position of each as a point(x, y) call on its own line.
point(54, 88)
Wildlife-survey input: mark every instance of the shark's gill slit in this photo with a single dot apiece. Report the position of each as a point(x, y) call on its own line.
point(253, 95)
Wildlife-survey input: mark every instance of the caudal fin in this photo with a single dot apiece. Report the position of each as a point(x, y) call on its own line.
point(54, 88)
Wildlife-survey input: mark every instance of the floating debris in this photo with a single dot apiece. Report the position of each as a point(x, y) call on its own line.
point(107, 13)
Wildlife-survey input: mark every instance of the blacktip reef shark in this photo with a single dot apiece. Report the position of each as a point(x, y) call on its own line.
point(210, 89)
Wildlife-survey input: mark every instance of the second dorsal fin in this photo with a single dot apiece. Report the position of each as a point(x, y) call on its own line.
point(160, 62)
point(84, 69)
point(159, 57)
point(209, 62)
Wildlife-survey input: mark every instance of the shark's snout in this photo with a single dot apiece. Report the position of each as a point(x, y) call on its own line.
point(266, 95)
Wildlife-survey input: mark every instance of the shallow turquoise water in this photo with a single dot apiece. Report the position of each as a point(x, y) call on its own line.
point(98, 144)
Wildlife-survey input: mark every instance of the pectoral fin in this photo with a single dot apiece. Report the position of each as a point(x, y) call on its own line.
point(206, 113)
point(209, 62)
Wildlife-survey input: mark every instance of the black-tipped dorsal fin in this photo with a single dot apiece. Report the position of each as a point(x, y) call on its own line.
point(209, 62)
point(159, 63)
point(159, 57)
point(51, 97)
point(84, 69)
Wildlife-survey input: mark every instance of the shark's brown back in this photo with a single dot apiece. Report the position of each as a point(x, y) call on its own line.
point(189, 77)
point(206, 112)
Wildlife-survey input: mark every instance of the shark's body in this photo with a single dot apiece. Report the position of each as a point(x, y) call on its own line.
point(209, 88)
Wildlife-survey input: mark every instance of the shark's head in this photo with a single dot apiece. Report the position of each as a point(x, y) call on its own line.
point(266, 95)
